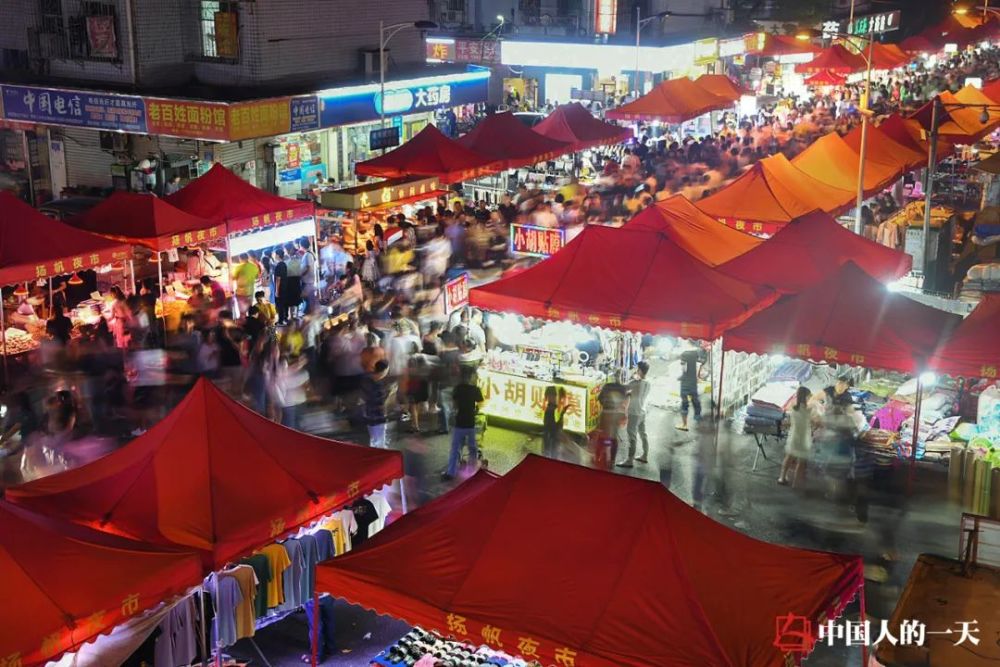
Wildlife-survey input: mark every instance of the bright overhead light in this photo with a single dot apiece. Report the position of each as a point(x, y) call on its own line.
point(984, 117)
point(500, 18)
point(803, 36)
point(928, 379)
point(960, 10)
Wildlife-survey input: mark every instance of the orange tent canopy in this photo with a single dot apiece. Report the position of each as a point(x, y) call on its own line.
point(772, 193)
point(695, 231)
point(64, 584)
point(887, 56)
point(784, 45)
point(831, 160)
point(214, 476)
point(721, 85)
point(956, 123)
point(883, 149)
point(969, 94)
point(834, 59)
point(672, 101)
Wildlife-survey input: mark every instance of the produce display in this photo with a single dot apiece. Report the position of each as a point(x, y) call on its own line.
point(18, 342)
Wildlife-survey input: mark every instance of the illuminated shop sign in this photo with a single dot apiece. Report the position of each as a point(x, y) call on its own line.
point(536, 241)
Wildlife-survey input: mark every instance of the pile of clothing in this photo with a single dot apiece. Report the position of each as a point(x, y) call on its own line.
point(420, 648)
point(980, 279)
point(769, 405)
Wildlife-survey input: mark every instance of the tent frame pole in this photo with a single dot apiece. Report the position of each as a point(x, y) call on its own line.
point(131, 286)
point(204, 626)
point(916, 435)
point(722, 372)
point(863, 618)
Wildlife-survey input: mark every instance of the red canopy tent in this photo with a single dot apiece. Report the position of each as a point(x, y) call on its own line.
point(833, 59)
point(64, 584)
point(215, 476)
point(973, 350)
point(33, 245)
point(957, 123)
point(221, 196)
point(908, 132)
point(632, 576)
point(772, 193)
point(924, 42)
point(810, 248)
point(627, 279)
point(144, 220)
point(701, 235)
point(991, 89)
point(672, 101)
point(786, 45)
point(848, 318)
point(503, 137)
point(825, 78)
point(831, 160)
point(430, 153)
point(885, 150)
point(722, 86)
point(574, 125)
point(888, 56)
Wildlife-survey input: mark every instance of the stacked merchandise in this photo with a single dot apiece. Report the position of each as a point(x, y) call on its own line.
point(974, 475)
point(979, 280)
point(420, 648)
point(767, 411)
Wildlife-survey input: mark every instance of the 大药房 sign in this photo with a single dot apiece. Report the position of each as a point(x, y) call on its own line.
point(537, 241)
point(456, 293)
point(343, 108)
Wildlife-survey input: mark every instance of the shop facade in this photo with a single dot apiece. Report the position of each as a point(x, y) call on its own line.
point(128, 142)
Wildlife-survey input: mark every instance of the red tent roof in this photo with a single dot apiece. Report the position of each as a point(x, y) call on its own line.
point(825, 78)
point(782, 45)
point(957, 124)
point(908, 132)
point(771, 193)
point(833, 59)
point(574, 125)
point(430, 153)
point(991, 89)
point(504, 137)
point(627, 279)
point(701, 235)
point(63, 585)
point(215, 476)
point(924, 42)
point(722, 86)
point(974, 349)
point(146, 220)
point(810, 248)
point(849, 318)
point(887, 56)
point(35, 246)
point(631, 576)
point(885, 150)
point(221, 196)
point(831, 160)
point(672, 101)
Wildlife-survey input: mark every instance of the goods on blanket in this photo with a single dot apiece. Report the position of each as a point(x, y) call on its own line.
point(19, 342)
point(420, 647)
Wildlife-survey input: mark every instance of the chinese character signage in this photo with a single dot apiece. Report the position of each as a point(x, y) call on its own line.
point(732, 47)
point(177, 118)
point(606, 17)
point(259, 119)
point(304, 113)
point(440, 50)
point(227, 38)
point(752, 227)
point(472, 51)
point(537, 241)
point(381, 193)
point(383, 137)
point(456, 293)
point(366, 105)
point(74, 108)
point(873, 24)
point(522, 399)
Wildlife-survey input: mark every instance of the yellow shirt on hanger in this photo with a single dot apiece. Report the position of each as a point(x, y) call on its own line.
point(277, 558)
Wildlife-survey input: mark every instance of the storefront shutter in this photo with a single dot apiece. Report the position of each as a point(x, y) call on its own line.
point(87, 164)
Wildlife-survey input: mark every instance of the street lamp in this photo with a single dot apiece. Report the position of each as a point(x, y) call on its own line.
point(865, 113)
point(640, 23)
point(385, 33)
point(962, 10)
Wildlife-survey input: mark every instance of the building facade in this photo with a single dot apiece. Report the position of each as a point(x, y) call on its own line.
point(280, 92)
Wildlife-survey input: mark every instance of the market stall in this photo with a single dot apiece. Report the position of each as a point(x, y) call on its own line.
point(431, 153)
point(811, 248)
point(836, 59)
point(831, 160)
point(722, 86)
point(574, 125)
point(582, 595)
point(885, 331)
point(35, 247)
point(352, 213)
point(957, 123)
point(886, 150)
point(772, 193)
point(66, 584)
point(671, 101)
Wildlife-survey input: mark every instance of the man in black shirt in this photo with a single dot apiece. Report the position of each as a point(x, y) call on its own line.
point(689, 386)
point(467, 398)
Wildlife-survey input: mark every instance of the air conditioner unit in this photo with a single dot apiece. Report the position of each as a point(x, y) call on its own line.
point(369, 60)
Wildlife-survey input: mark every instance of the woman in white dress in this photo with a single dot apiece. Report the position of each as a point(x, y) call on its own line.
point(798, 447)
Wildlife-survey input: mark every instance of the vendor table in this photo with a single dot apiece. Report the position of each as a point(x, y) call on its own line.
point(522, 399)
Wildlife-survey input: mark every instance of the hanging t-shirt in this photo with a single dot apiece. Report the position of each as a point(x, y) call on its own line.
point(177, 644)
point(246, 611)
point(277, 559)
point(262, 569)
point(294, 574)
point(365, 515)
point(226, 598)
point(324, 545)
point(307, 541)
point(382, 508)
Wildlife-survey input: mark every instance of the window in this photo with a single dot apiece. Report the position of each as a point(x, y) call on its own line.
point(90, 34)
point(219, 23)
